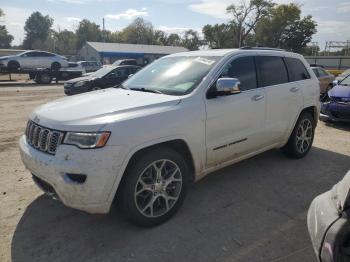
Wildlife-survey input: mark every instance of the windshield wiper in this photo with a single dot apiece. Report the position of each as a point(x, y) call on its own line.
point(122, 87)
point(147, 90)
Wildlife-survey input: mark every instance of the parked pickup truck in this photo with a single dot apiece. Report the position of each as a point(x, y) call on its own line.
point(173, 122)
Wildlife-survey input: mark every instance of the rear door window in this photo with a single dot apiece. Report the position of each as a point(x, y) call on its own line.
point(272, 70)
point(32, 54)
point(296, 69)
point(242, 68)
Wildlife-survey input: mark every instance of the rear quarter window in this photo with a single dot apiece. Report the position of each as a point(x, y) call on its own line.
point(296, 69)
point(272, 70)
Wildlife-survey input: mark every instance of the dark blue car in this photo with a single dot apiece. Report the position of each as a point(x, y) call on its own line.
point(337, 106)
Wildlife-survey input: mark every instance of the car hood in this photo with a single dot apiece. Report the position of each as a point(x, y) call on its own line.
point(95, 109)
point(340, 91)
point(83, 78)
point(7, 57)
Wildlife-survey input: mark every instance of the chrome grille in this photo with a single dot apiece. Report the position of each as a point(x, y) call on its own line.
point(43, 139)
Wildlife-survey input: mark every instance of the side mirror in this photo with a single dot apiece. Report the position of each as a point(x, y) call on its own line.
point(335, 82)
point(227, 86)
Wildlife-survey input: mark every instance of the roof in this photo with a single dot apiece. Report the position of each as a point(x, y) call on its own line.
point(209, 52)
point(224, 52)
point(133, 48)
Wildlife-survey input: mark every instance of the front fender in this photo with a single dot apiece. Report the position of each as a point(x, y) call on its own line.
point(130, 152)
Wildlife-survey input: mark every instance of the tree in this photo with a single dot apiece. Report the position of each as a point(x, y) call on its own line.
point(5, 37)
point(174, 40)
point(37, 29)
point(246, 16)
point(299, 34)
point(65, 42)
point(112, 37)
point(191, 40)
point(220, 35)
point(87, 31)
point(138, 32)
point(284, 28)
point(160, 37)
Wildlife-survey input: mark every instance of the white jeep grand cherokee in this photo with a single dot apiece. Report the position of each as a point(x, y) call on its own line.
point(175, 121)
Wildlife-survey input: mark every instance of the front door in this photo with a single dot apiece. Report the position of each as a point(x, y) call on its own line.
point(234, 123)
point(116, 77)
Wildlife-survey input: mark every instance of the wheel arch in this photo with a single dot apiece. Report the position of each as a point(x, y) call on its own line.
point(309, 109)
point(13, 61)
point(177, 144)
point(313, 111)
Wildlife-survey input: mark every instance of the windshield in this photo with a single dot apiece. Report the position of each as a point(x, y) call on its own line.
point(345, 81)
point(345, 73)
point(177, 75)
point(102, 72)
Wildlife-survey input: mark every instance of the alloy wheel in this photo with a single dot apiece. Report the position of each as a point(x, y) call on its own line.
point(158, 188)
point(304, 136)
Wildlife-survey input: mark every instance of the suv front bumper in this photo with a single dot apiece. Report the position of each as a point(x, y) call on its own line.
point(101, 167)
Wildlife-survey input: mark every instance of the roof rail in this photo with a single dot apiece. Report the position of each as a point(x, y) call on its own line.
point(261, 48)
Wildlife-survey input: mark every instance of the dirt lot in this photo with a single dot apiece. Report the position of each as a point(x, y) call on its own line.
point(251, 211)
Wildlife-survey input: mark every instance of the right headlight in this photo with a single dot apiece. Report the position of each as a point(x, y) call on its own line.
point(87, 140)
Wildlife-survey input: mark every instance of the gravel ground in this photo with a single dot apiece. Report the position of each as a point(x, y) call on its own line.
point(252, 211)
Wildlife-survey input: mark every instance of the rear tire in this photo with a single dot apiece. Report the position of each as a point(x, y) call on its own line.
point(154, 187)
point(302, 137)
point(13, 66)
point(43, 78)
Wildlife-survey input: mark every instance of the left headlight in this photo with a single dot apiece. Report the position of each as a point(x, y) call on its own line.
point(87, 140)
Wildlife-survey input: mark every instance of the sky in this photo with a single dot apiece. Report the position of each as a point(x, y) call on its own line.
point(333, 17)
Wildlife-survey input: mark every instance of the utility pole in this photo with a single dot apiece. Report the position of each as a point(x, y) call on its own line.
point(103, 30)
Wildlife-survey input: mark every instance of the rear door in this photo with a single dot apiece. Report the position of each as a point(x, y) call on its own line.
point(235, 123)
point(29, 60)
point(283, 98)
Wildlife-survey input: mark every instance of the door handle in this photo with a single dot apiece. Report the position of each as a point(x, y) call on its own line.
point(294, 89)
point(257, 97)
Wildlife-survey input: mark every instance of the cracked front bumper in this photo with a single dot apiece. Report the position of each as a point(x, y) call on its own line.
point(101, 167)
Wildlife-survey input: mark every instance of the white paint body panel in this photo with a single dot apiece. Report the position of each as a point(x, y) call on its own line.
point(137, 120)
point(27, 62)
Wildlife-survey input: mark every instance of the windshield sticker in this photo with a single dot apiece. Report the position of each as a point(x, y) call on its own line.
point(204, 61)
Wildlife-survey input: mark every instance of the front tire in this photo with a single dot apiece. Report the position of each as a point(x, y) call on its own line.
point(154, 186)
point(302, 137)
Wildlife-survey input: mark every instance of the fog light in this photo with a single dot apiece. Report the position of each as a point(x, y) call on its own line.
point(75, 178)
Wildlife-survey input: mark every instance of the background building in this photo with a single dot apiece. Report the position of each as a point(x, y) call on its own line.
point(107, 53)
